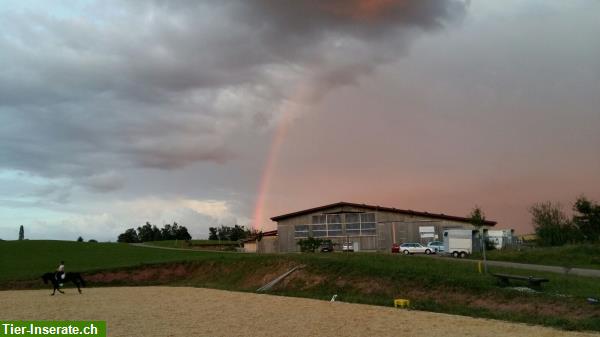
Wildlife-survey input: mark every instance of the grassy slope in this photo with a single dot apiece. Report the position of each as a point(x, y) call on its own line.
point(581, 256)
point(29, 259)
point(442, 285)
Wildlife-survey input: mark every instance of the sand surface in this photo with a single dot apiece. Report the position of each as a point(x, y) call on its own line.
point(174, 311)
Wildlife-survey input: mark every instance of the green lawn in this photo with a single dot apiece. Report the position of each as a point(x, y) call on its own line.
point(440, 285)
point(581, 256)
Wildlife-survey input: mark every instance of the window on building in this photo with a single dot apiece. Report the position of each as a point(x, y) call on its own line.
point(319, 231)
point(331, 225)
point(367, 217)
point(368, 228)
point(334, 229)
point(318, 219)
point(334, 218)
point(367, 224)
point(353, 229)
point(301, 231)
point(334, 225)
point(352, 218)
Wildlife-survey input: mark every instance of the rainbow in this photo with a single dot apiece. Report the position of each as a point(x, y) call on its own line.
point(265, 181)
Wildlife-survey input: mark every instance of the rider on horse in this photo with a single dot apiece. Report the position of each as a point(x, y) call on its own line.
point(60, 272)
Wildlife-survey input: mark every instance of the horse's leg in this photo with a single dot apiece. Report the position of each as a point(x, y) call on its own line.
point(77, 284)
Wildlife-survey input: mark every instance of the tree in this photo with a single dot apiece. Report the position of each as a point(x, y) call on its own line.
point(227, 233)
point(238, 233)
point(21, 233)
point(93, 241)
point(80, 239)
point(156, 234)
point(130, 236)
point(477, 219)
point(551, 225)
point(212, 233)
point(587, 219)
point(181, 232)
point(168, 232)
point(149, 232)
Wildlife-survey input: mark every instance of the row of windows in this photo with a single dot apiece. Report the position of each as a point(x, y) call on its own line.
point(341, 224)
point(336, 229)
point(343, 218)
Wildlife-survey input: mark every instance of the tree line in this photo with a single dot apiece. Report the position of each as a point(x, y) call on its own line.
point(554, 228)
point(149, 232)
point(227, 233)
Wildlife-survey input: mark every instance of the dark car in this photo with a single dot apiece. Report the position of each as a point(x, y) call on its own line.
point(326, 247)
point(395, 248)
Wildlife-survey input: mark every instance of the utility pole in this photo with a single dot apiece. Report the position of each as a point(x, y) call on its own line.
point(483, 248)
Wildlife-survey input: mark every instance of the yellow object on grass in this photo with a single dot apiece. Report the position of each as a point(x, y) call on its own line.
point(401, 303)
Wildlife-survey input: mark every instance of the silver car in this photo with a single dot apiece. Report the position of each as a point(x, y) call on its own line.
point(415, 248)
point(437, 246)
point(348, 247)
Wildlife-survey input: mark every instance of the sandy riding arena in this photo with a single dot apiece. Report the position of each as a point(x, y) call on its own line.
point(173, 311)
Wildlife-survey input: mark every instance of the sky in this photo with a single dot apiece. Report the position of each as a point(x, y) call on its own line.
point(210, 113)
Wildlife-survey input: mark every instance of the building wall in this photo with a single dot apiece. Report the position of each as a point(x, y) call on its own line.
point(391, 227)
point(268, 244)
point(250, 247)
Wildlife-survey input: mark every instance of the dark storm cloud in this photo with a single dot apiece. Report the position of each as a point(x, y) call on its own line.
point(366, 18)
point(166, 84)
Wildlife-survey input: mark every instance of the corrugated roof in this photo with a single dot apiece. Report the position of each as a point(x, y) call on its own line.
point(381, 208)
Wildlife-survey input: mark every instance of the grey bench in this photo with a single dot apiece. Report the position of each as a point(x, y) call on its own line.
point(532, 281)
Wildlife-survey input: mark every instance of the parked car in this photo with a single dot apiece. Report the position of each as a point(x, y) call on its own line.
point(414, 248)
point(395, 248)
point(348, 246)
point(437, 246)
point(326, 247)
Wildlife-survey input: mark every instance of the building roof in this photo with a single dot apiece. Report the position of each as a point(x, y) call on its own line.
point(270, 233)
point(379, 208)
point(261, 234)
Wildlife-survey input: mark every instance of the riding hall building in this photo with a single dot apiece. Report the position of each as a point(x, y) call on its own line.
point(367, 227)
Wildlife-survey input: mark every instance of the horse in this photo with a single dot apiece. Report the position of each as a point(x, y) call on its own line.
point(69, 277)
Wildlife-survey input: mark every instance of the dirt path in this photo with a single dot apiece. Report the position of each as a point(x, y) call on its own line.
point(173, 311)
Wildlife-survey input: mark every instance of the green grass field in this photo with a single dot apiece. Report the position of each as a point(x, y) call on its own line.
point(580, 256)
point(432, 284)
point(29, 259)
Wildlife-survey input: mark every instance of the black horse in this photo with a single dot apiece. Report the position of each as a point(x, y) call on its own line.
point(69, 277)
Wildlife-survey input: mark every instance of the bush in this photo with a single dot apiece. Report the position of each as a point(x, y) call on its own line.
point(309, 245)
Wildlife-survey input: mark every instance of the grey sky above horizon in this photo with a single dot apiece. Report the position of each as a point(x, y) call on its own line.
point(113, 114)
